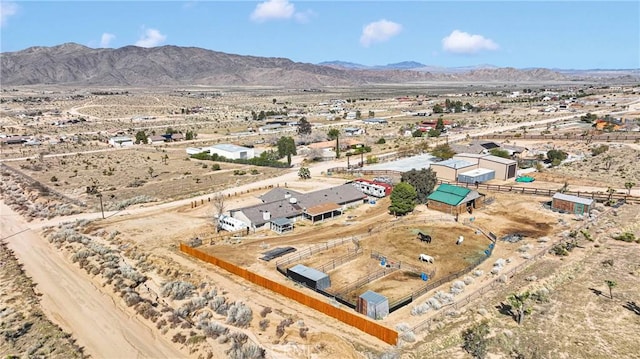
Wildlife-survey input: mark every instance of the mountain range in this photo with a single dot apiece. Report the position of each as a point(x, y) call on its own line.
point(74, 64)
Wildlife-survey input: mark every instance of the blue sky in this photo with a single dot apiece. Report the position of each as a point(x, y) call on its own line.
point(521, 34)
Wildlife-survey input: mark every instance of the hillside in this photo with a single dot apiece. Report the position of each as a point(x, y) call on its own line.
point(75, 64)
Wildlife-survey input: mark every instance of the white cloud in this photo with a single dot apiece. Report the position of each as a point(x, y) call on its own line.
point(7, 9)
point(460, 42)
point(106, 39)
point(151, 38)
point(379, 31)
point(304, 17)
point(273, 10)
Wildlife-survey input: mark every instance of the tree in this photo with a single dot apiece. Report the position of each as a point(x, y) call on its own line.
point(274, 101)
point(372, 114)
point(219, 207)
point(141, 137)
point(443, 151)
point(304, 127)
point(190, 135)
point(403, 199)
point(286, 147)
point(423, 181)
point(559, 155)
point(440, 124)
point(611, 284)
point(358, 114)
point(628, 186)
point(519, 305)
point(475, 340)
point(416, 133)
point(499, 152)
point(334, 134)
point(170, 131)
point(304, 173)
point(437, 108)
point(381, 141)
point(434, 133)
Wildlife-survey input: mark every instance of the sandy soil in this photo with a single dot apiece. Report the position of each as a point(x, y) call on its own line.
point(74, 302)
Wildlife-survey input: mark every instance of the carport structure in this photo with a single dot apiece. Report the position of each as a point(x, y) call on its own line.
point(322, 211)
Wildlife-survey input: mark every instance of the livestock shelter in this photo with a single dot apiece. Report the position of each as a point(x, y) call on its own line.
point(454, 199)
point(571, 204)
point(373, 305)
point(310, 277)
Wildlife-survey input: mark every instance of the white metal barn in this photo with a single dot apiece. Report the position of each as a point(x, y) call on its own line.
point(231, 151)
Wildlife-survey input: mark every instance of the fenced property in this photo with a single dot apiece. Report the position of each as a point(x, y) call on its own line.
point(355, 320)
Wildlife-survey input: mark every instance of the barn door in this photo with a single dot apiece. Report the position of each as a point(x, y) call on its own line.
point(578, 208)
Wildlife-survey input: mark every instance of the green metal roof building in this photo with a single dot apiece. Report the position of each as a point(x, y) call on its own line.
point(454, 199)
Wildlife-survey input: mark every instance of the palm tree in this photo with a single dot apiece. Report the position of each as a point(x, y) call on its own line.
point(610, 284)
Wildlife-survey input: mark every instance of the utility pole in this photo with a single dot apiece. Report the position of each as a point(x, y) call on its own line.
point(99, 195)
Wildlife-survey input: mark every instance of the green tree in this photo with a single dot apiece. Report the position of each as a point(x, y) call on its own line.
point(334, 134)
point(141, 137)
point(499, 152)
point(629, 186)
point(274, 101)
point(190, 135)
point(304, 127)
point(440, 124)
point(403, 199)
point(437, 108)
point(417, 133)
point(559, 155)
point(443, 151)
point(611, 284)
point(475, 340)
point(286, 147)
point(170, 131)
point(381, 141)
point(358, 114)
point(372, 114)
point(423, 181)
point(434, 133)
point(520, 305)
point(304, 173)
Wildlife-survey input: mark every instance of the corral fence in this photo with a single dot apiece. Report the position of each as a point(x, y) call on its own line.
point(362, 281)
point(433, 285)
point(426, 324)
point(32, 181)
point(355, 320)
point(599, 196)
point(306, 253)
point(336, 262)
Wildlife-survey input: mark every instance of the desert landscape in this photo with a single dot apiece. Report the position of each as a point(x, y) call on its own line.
point(104, 185)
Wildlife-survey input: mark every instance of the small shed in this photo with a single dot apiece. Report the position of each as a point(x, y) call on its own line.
point(478, 175)
point(310, 277)
point(373, 305)
point(281, 225)
point(571, 204)
point(454, 199)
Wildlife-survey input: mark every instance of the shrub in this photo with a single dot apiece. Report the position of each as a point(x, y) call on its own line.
point(264, 323)
point(265, 311)
point(219, 305)
point(475, 341)
point(625, 237)
point(420, 309)
point(457, 287)
point(381, 141)
point(177, 289)
point(239, 314)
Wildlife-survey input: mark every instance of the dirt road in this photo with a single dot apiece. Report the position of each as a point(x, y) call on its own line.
point(71, 300)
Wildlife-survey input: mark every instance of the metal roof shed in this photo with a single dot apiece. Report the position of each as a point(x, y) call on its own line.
point(478, 175)
point(310, 277)
point(571, 204)
point(373, 305)
point(281, 225)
